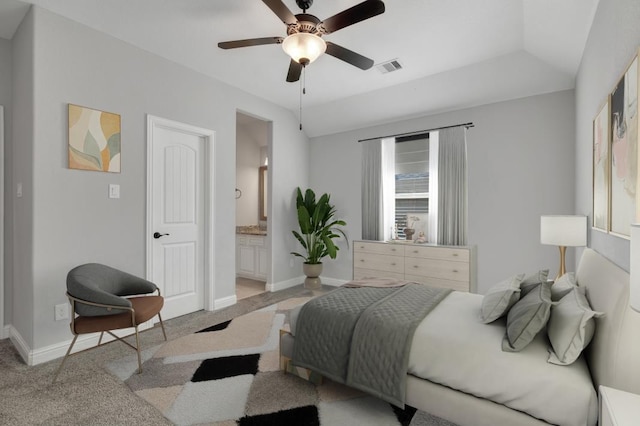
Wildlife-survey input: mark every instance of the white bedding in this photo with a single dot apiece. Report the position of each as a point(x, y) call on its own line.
point(452, 347)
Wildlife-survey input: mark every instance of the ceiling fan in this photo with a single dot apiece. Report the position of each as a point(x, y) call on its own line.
point(304, 41)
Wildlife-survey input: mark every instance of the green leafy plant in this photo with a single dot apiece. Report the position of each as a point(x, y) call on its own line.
point(318, 229)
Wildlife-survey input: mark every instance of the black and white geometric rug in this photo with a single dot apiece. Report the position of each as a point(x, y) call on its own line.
point(228, 374)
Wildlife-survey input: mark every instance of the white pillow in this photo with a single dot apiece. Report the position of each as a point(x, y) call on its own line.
point(527, 317)
point(563, 286)
point(500, 298)
point(530, 282)
point(571, 327)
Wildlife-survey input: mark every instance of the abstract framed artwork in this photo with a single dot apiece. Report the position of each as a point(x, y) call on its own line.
point(601, 169)
point(94, 139)
point(623, 118)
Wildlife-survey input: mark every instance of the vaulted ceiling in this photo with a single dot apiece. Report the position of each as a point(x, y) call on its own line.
point(454, 53)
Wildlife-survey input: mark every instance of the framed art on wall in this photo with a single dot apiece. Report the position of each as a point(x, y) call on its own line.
point(601, 169)
point(623, 120)
point(94, 139)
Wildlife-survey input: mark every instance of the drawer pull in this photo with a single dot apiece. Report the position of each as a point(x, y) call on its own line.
point(415, 266)
point(455, 254)
point(393, 264)
point(393, 249)
point(455, 270)
point(361, 260)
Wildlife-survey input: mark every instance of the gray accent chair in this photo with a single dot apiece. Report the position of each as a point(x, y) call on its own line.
point(104, 299)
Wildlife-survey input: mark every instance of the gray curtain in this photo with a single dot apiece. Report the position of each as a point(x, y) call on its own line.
point(452, 186)
point(372, 214)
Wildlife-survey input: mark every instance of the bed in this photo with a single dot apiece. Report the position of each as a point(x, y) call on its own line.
point(466, 378)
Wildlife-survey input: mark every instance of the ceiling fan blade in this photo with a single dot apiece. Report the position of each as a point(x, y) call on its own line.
point(349, 56)
point(295, 69)
point(250, 42)
point(282, 11)
point(360, 12)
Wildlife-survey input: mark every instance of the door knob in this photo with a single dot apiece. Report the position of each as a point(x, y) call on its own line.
point(157, 235)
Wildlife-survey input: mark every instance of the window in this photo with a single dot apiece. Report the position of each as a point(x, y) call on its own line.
point(411, 182)
point(427, 166)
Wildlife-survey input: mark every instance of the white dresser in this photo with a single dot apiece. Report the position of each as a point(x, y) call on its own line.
point(451, 267)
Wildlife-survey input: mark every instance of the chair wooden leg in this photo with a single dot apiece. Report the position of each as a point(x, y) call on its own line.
point(138, 350)
point(73, 342)
point(162, 325)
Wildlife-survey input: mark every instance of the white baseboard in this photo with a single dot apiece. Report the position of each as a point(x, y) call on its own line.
point(300, 280)
point(57, 350)
point(333, 281)
point(224, 302)
point(285, 284)
point(4, 332)
point(20, 344)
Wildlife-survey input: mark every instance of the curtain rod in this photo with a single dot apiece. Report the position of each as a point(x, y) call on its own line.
point(417, 132)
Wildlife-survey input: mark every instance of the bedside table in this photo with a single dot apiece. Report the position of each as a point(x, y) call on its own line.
point(618, 408)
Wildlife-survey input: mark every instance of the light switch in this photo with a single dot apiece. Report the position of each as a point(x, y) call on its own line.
point(114, 190)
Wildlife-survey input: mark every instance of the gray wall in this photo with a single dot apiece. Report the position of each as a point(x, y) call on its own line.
point(5, 100)
point(521, 165)
point(612, 43)
point(73, 221)
point(20, 252)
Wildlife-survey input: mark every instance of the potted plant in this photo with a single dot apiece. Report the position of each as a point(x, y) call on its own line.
point(318, 229)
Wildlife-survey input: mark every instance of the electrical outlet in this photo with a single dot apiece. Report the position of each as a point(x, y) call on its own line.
point(61, 311)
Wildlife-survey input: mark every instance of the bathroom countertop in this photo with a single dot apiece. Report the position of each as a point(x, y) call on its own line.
point(251, 230)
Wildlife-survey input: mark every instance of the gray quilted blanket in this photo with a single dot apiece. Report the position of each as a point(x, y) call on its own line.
point(362, 336)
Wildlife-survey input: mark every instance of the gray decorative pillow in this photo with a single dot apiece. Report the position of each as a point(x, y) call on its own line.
point(571, 327)
point(563, 286)
point(500, 298)
point(527, 317)
point(533, 280)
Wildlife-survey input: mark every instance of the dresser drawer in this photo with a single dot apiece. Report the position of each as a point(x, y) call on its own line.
point(448, 270)
point(378, 262)
point(379, 248)
point(444, 253)
point(360, 273)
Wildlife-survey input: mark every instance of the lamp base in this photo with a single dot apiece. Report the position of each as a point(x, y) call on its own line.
point(563, 269)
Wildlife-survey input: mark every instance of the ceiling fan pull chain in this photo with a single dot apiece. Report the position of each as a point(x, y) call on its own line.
point(301, 92)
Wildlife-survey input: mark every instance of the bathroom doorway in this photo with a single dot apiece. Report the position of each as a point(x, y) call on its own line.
point(252, 165)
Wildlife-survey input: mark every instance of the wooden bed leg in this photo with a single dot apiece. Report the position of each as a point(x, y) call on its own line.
point(304, 373)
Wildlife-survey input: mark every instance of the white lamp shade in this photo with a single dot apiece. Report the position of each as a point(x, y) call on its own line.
point(560, 230)
point(304, 47)
point(634, 266)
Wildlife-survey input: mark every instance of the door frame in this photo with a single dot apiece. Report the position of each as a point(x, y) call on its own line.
point(3, 333)
point(154, 122)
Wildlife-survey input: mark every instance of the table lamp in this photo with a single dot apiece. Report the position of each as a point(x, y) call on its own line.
point(563, 231)
point(634, 268)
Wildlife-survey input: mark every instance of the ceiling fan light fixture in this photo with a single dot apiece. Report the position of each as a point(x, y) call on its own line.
point(304, 48)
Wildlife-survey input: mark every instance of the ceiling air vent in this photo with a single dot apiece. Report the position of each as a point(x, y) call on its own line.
point(389, 66)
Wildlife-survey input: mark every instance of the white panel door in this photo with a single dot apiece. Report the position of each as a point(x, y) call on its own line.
point(178, 219)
